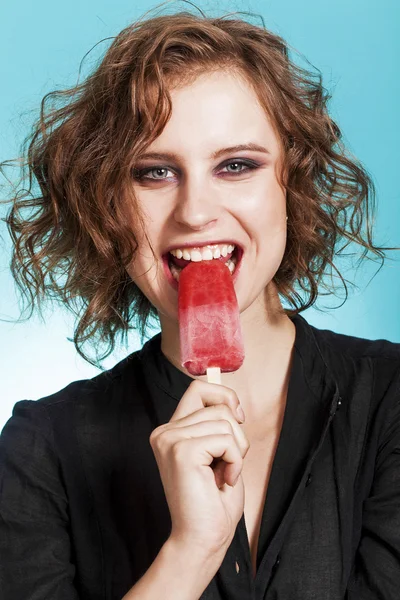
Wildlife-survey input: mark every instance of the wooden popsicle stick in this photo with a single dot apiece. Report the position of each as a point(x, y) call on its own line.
point(214, 375)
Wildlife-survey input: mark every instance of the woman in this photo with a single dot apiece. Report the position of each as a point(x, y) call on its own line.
point(145, 482)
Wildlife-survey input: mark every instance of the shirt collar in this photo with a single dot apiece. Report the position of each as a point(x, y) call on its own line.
point(317, 372)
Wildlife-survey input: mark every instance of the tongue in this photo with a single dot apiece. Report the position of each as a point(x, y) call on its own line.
point(181, 262)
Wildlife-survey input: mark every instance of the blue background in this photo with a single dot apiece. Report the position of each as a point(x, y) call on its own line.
point(355, 43)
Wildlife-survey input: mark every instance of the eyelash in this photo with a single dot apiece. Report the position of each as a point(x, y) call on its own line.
point(139, 174)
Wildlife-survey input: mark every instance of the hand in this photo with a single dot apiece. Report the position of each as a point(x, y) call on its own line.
point(204, 507)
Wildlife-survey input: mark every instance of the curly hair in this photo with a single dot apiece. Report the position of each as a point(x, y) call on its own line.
point(81, 153)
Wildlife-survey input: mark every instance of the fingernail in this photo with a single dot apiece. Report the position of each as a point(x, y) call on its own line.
point(240, 413)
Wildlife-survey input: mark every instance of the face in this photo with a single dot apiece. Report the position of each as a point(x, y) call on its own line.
point(196, 199)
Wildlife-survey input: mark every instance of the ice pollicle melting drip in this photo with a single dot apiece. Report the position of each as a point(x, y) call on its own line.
point(209, 322)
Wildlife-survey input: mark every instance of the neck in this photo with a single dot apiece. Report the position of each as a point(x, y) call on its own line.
point(268, 337)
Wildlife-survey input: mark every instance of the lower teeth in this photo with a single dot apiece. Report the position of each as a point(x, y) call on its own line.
point(176, 270)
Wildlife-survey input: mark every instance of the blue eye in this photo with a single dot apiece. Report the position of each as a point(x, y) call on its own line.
point(241, 164)
point(141, 174)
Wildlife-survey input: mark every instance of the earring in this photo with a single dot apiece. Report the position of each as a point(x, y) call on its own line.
point(287, 218)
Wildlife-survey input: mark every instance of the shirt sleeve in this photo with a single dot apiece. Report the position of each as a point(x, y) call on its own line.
point(35, 547)
point(376, 571)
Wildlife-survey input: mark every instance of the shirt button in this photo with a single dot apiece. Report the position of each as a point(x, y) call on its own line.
point(278, 560)
point(309, 478)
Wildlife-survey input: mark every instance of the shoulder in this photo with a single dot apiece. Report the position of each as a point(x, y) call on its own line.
point(358, 347)
point(62, 407)
point(366, 366)
point(364, 370)
point(99, 385)
point(367, 374)
point(346, 352)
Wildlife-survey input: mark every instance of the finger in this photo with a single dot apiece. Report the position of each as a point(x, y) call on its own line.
point(201, 394)
point(170, 441)
point(216, 412)
point(220, 446)
point(201, 451)
point(169, 436)
point(219, 467)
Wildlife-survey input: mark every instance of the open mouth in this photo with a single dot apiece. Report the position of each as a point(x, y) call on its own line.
point(177, 262)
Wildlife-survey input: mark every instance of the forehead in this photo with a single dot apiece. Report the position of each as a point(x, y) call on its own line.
point(217, 109)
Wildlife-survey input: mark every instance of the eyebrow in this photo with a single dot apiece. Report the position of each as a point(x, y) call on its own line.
point(231, 149)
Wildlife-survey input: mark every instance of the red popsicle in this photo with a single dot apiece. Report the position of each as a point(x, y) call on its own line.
point(209, 324)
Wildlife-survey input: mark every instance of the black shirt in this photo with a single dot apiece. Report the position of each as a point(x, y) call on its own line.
point(83, 512)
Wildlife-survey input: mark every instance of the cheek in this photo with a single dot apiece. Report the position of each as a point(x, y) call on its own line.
point(147, 235)
point(155, 217)
point(265, 209)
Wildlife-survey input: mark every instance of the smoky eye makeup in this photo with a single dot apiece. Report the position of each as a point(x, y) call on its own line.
point(140, 173)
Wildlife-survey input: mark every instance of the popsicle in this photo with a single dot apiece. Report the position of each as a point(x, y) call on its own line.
point(209, 325)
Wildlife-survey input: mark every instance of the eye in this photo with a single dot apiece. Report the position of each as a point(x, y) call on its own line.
point(142, 174)
point(240, 164)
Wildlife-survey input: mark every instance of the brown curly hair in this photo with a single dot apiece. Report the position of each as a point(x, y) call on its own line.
point(77, 241)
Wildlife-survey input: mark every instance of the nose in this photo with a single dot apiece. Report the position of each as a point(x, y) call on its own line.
point(197, 206)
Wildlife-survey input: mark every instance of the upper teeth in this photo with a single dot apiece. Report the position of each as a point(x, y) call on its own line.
point(205, 253)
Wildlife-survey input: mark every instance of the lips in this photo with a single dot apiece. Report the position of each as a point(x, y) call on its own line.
point(165, 260)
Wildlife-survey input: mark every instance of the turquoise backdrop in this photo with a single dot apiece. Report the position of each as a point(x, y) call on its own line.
point(355, 43)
